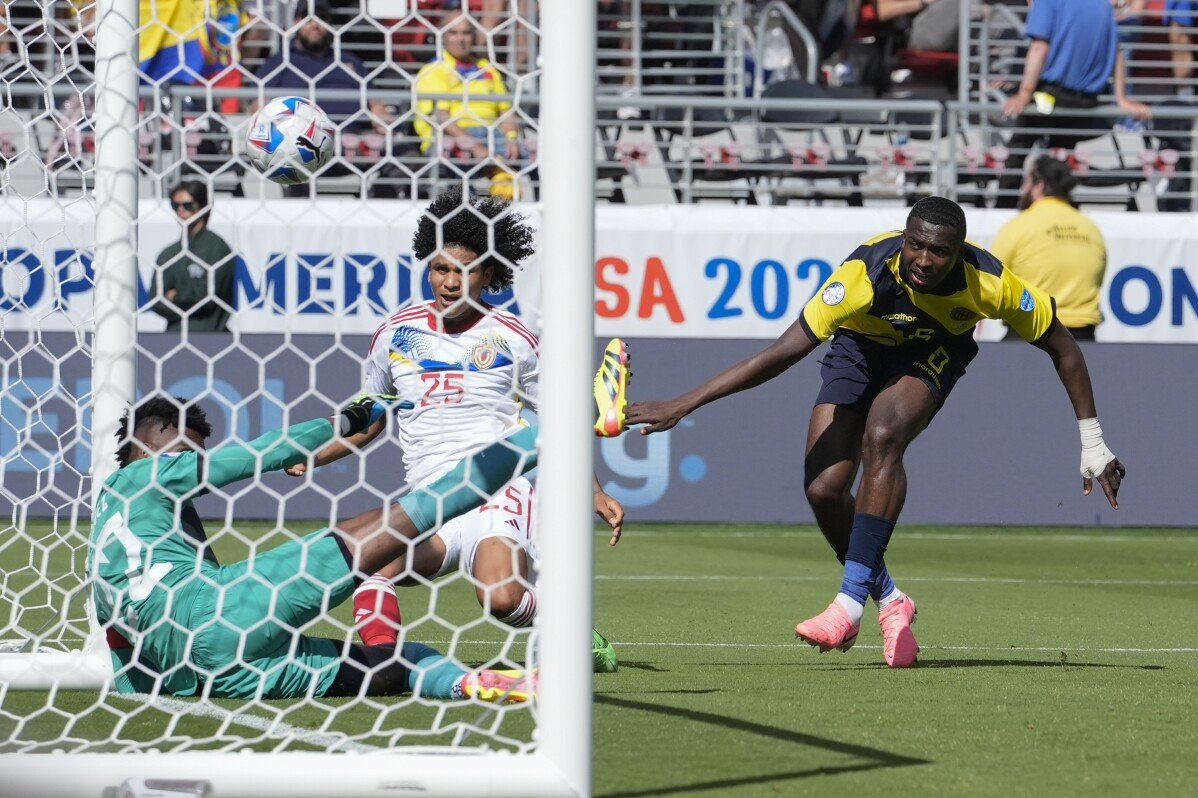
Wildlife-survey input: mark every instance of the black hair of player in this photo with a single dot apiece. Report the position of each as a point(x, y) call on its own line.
point(471, 226)
point(940, 212)
point(1056, 176)
point(164, 411)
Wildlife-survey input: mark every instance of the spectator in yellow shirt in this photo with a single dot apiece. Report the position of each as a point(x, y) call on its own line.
point(458, 71)
point(1054, 246)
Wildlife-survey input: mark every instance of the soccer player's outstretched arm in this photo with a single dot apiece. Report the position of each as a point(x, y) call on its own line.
point(791, 347)
point(1098, 462)
point(234, 461)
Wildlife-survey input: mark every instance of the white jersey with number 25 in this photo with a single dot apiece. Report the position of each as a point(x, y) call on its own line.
point(466, 384)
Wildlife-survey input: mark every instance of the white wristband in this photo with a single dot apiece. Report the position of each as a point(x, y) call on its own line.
point(1091, 432)
point(1095, 455)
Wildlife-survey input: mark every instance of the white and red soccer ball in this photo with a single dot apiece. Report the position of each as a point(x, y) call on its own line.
point(289, 140)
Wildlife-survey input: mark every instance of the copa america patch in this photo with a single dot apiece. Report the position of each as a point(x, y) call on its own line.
point(1027, 301)
point(833, 294)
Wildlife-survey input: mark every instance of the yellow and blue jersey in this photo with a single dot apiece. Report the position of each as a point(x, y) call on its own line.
point(868, 296)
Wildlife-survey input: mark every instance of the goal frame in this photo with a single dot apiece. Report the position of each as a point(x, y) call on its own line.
point(561, 763)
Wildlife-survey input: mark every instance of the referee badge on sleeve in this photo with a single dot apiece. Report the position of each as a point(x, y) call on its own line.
point(833, 294)
point(1027, 301)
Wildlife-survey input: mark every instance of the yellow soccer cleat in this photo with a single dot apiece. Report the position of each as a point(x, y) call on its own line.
point(500, 687)
point(611, 389)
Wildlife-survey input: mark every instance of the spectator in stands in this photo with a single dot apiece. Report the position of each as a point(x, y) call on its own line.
point(1073, 54)
point(309, 63)
point(414, 40)
point(1053, 246)
point(1179, 18)
point(195, 275)
point(933, 23)
point(477, 124)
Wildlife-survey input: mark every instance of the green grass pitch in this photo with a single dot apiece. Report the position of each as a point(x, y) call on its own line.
point(1055, 662)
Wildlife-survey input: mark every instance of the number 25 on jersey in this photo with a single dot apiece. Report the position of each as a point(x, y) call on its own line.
point(443, 388)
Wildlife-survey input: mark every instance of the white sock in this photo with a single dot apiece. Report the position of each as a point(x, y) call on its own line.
point(890, 598)
point(854, 608)
point(525, 614)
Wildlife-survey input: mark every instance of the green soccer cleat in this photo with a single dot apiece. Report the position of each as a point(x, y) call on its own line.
point(604, 654)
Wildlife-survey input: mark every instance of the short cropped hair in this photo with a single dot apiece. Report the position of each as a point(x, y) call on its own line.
point(1056, 176)
point(487, 226)
point(940, 212)
point(164, 411)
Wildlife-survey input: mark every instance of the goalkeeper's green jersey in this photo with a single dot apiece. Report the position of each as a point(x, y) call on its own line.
point(148, 547)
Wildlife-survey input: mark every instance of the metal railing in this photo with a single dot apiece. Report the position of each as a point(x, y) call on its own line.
point(680, 149)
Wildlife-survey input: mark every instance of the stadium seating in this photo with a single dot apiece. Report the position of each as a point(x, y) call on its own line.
point(656, 140)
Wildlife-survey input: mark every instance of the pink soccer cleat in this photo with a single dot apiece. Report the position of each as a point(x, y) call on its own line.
point(832, 628)
point(898, 643)
point(499, 686)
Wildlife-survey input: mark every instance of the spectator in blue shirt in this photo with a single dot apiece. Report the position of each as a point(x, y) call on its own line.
point(1073, 55)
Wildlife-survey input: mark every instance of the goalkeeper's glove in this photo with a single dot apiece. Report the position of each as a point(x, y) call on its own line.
point(365, 411)
point(1095, 454)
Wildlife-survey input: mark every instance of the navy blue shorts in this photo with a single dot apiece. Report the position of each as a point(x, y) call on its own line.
point(856, 369)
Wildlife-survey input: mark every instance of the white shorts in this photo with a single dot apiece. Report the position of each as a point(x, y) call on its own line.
point(509, 515)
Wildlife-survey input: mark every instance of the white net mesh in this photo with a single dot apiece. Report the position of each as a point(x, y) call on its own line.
point(284, 304)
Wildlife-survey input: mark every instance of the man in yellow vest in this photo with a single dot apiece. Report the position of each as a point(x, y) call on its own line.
point(1054, 246)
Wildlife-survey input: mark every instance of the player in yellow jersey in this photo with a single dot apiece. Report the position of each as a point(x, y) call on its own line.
point(900, 313)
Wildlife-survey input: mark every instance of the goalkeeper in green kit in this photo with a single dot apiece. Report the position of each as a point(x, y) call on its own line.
point(180, 623)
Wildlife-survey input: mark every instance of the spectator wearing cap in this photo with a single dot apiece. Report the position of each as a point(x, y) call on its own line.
point(195, 274)
point(1053, 245)
point(309, 63)
point(1071, 60)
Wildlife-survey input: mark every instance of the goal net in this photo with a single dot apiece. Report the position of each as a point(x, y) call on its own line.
point(145, 256)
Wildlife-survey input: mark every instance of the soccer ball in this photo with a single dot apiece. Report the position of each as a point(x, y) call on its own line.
point(289, 139)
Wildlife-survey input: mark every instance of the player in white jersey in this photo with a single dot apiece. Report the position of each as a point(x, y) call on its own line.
point(463, 371)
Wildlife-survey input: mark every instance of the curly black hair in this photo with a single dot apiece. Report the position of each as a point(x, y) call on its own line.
point(941, 212)
point(164, 411)
point(452, 221)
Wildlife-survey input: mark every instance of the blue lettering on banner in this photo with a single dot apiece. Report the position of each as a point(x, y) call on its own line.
point(1183, 292)
point(1155, 296)
point(767, 278)
point(31, 284)
point(76, 275)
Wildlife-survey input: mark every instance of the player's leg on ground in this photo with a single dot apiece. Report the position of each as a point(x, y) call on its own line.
point(377, 616)
point(899, 413)
point(501, 581)
point(829, 471)
point(424, 672)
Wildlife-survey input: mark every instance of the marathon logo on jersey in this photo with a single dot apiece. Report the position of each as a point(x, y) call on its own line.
point(833, 294)
point(901, 318)
point(1027, 302)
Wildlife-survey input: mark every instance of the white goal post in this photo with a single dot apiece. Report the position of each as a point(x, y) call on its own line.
point(558, 763)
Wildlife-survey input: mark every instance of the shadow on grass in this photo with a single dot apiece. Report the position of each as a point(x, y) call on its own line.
point(875, 757)
point(991, 663)
point(643, 666)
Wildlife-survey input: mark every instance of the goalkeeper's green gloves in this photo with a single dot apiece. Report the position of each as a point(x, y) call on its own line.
point(365, 411)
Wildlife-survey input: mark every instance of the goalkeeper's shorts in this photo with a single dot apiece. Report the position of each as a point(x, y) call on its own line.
point(235, 630)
